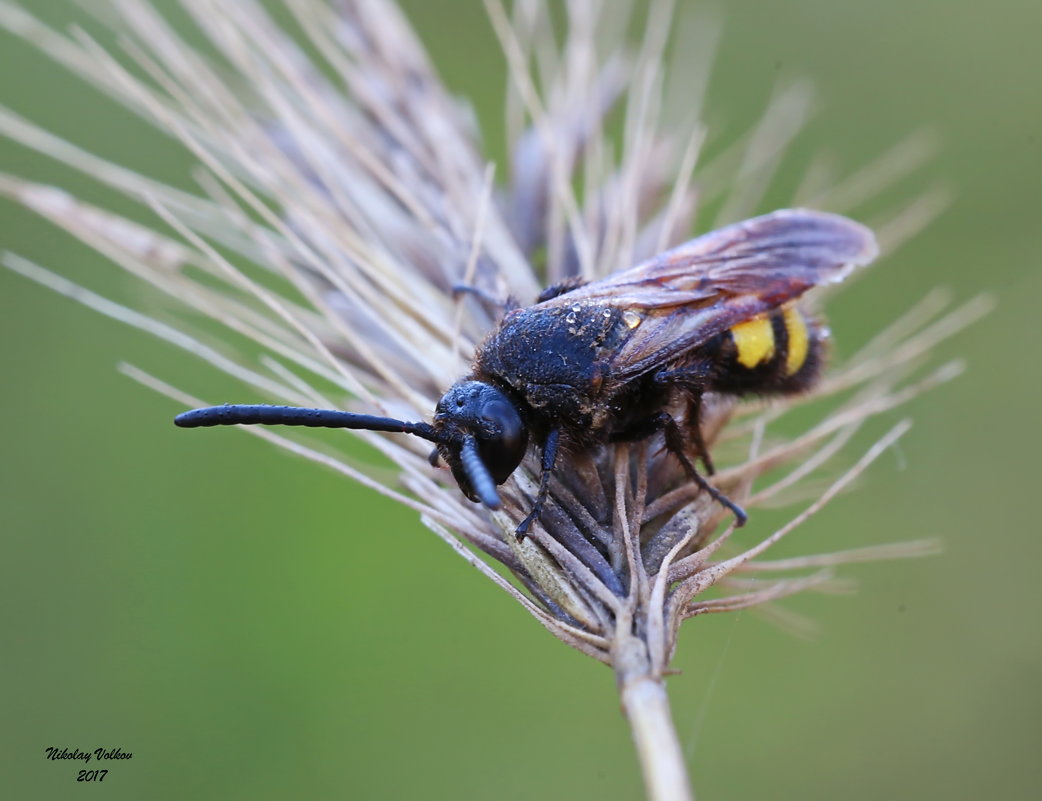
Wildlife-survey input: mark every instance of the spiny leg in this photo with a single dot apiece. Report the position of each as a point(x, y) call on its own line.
point(553, 439)
point(692, 380)
point(675, 444)
point(694, 426)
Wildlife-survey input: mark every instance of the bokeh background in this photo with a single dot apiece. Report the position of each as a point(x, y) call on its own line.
point(230, 615)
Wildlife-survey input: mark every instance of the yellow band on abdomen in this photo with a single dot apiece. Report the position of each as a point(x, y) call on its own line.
point(799, 340)
point(754, 341)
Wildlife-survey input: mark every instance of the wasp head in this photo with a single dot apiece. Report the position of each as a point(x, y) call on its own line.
point(481, 436)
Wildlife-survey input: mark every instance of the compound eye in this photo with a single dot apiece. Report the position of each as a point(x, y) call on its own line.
point(503, 451)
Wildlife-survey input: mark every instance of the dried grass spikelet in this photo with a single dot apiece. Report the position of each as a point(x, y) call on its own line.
point(340, 203)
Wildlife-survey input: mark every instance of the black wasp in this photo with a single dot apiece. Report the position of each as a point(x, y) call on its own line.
point(607, 361)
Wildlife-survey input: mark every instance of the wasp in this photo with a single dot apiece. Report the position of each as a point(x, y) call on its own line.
point(613, 360)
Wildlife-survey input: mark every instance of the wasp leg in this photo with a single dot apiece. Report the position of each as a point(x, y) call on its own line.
point(488, 300)
point(692, 381)
point(553, 439)
point(675, 444)
point(695, 426)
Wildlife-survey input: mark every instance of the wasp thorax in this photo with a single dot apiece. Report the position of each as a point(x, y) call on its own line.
point(478, 409)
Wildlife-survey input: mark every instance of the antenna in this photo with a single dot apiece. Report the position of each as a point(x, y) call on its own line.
point(262, 414)
point(232, 414)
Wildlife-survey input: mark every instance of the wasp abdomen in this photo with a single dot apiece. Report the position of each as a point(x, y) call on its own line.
point(776, 352)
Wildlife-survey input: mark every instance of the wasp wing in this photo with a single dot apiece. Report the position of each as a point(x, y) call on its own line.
point(777, 256)
point(684, 296)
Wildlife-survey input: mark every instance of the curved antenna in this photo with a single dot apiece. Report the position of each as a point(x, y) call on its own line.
point(262, 414)
point(480, 479)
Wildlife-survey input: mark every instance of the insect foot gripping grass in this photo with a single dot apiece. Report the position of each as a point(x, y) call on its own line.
point(605, 398)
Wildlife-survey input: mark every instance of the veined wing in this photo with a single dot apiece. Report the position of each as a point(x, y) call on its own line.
point(778, 256)
point(684, 296)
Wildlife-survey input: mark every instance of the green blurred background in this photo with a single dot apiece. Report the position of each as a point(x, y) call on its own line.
point(230, 615)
